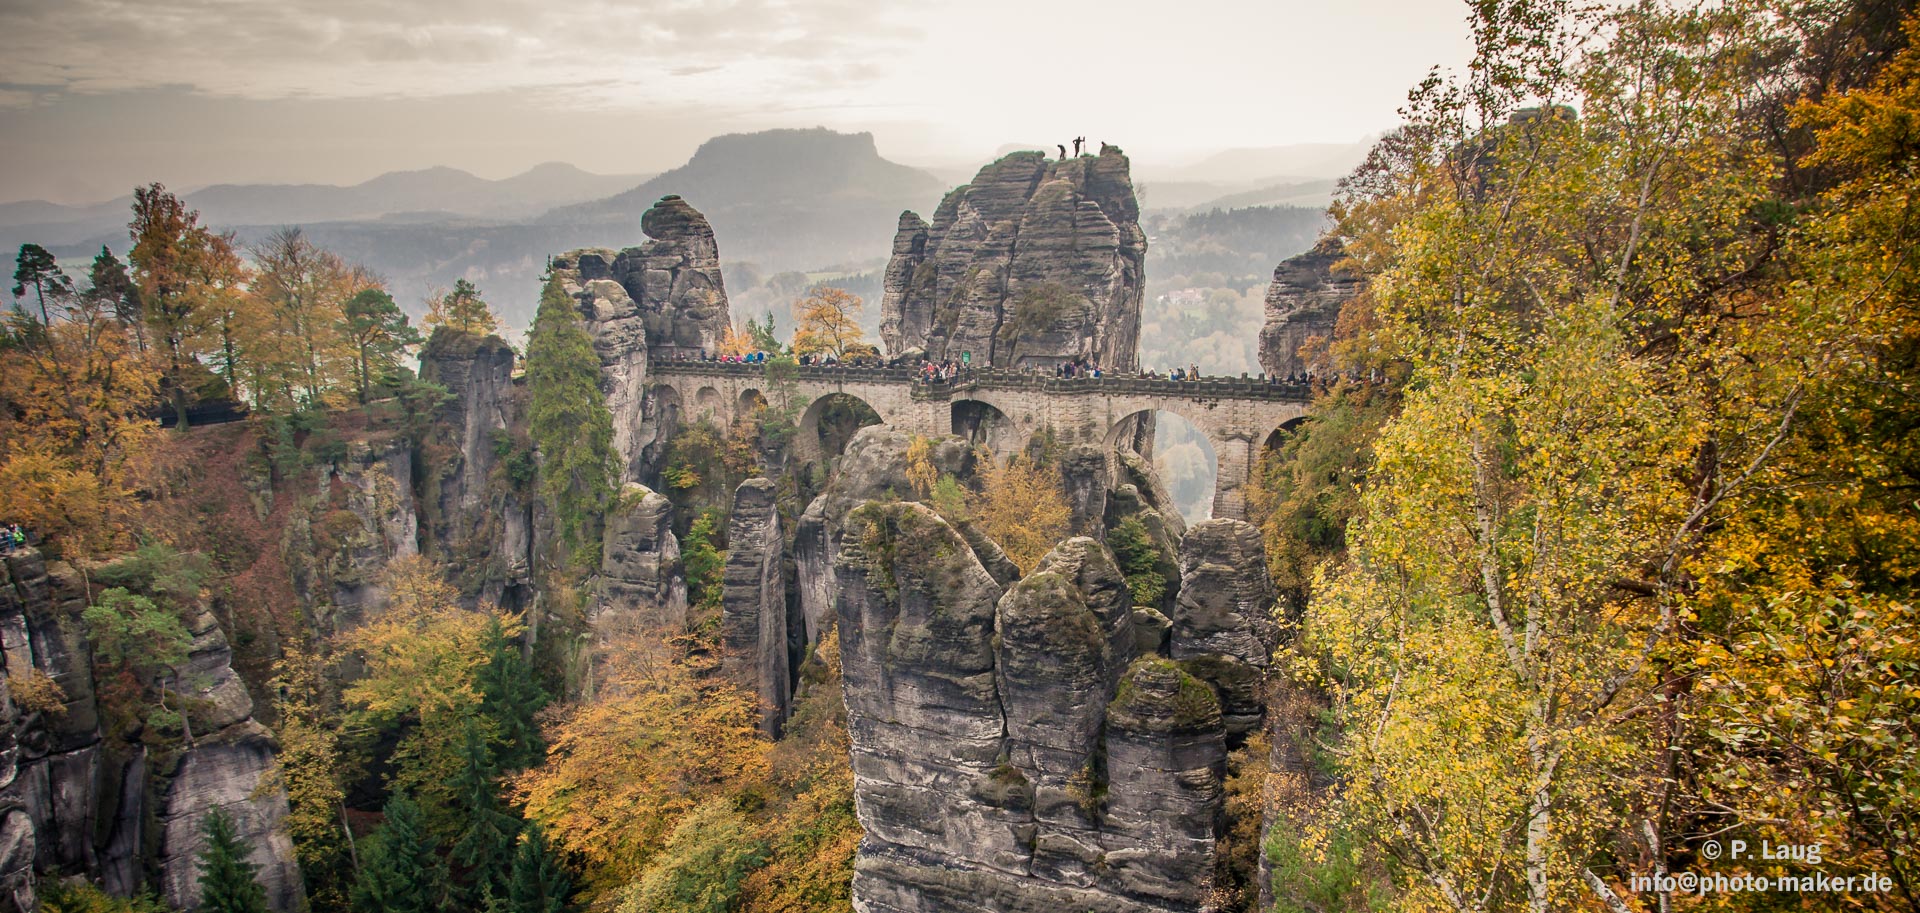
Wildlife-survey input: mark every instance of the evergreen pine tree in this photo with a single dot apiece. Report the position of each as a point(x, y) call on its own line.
point(227, 884)
point(539, 884)
point(509, 697)
point(568, 418)
point(402, 871)
point(484, 848)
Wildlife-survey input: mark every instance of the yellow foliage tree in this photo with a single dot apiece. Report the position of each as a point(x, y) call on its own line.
point(423, 657)
point(661, 739)
point(1021, 507)
point(829, 322)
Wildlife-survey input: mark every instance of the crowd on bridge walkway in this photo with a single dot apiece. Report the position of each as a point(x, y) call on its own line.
point(940, 373)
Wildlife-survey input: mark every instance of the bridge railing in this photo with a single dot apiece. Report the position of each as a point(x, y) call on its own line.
point(1222, 387)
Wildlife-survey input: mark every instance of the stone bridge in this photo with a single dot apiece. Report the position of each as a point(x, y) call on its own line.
point(999, 408)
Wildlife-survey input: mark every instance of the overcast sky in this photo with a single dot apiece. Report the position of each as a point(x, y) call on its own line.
point(98, 95)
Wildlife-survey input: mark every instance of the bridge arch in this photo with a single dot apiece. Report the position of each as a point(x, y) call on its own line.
point(983, 424)
point(829, 423)
point(708, 404)
point(751, 401)
point(1179, 442)
point(1279, 435)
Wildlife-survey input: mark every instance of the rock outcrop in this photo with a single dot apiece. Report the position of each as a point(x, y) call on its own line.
point(1012, 750)
point(1304, 302)
point(662, 299)
point(642, 583)
point(1223, 627)
point(74, 803)
point(486, 531)
point(753, 620)
point(1083, 473)
point(1036, 262)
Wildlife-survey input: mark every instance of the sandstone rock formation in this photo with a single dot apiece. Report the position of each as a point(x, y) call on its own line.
point(753, 621)
point(1036, 262)
point(486, 531)
point(661, 299)
point(1011, 749)
point(69, 805)
point(1303, 302)
point(1083, 473)
point(641, 580)
point(1223, 628)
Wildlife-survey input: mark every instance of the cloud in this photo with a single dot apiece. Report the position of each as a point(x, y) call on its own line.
point(641, 51)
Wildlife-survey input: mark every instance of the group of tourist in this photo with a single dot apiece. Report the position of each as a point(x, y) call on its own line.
point(12, 536)
point(1068, 370)
point(944, 372)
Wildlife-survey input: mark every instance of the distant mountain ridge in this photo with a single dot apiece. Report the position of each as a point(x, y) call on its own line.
point(438, 189)
point(785, 198)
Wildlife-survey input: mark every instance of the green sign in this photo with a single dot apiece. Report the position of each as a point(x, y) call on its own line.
point(966, 358)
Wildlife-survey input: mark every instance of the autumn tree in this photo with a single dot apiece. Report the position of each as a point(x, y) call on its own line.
point(462, 310)
point(78, 391)
point(568, 419)
point(185, 274)
point(424, 659)
point(313, 769)
point(304, 349)
point(660, 739)
point(380, 335)
point(829, 322)
point(1020, 506)
point(1618, 338)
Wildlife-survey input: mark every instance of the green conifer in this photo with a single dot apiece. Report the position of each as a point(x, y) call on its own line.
point(568, 418)
point(484, 847)
point(539, 883)
point(402, 872)
point(227, 884)
point(509, 697)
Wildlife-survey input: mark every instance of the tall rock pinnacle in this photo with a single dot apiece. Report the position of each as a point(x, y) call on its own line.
point(1034, 263)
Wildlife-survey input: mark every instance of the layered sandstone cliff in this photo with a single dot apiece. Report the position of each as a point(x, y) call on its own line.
point(1036, 262)
point(73, 802)
point(1303, 303)
point(663, 299)
point(1037, 742)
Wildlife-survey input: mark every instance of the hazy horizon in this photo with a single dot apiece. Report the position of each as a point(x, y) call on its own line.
point(99, 95)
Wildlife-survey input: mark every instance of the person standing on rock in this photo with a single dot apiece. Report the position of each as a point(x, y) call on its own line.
point(1063, 151)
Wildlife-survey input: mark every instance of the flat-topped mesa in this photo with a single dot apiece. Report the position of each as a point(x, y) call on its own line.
point(661, 299)
point(1304, 302)
point(1037, 262)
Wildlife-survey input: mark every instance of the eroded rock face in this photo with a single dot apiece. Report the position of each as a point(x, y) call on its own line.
point(68, 807)
point(1010, 753)
point(916, 623)
point(642, 582)
point(661, 299)
point(1164, 736)
point(753, 621)
point(1303, 302)
point(1083, 473)
point(1223, 628)
point(232, 771)
point(1036, 262)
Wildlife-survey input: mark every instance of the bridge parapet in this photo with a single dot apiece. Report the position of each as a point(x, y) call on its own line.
point(1235, 388)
